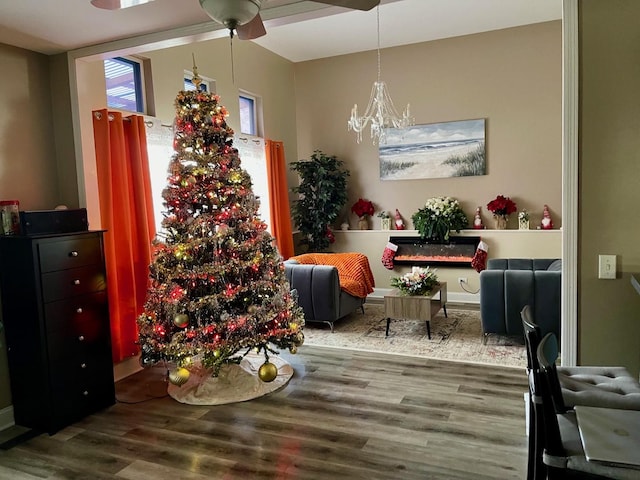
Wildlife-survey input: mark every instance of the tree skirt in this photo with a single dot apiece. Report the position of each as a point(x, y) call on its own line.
point(235, 383)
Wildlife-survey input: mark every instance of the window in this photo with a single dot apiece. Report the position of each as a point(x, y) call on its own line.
point(248, 115)
point(207, 85)
point(124, 84)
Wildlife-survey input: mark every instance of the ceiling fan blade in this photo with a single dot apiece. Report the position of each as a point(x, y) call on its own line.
point(252, 29)
point(117, 4)
point(355, 4)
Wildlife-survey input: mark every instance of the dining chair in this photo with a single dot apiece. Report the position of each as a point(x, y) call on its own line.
point(535, 467)
point(595, 386)
point(560, 443)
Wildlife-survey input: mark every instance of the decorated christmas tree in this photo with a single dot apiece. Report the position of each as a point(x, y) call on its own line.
point(217, 284)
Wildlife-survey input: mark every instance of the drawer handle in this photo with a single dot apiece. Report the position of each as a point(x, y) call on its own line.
point(83, 365)
point(79, 310)
point(81, 338)
point(85, 393)
point(73, 254)
point(76, 282)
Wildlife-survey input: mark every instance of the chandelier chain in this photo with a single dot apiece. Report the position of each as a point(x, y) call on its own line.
point(378, 15)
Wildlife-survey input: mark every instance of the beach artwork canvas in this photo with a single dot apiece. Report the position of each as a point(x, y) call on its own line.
point(437, 150)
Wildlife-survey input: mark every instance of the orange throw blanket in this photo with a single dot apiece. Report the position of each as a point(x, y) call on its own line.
point(354, 271)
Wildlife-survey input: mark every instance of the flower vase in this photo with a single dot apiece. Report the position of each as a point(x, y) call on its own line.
point(501, 222)
point(385, 224)
point(523, 225)
point(363, 224)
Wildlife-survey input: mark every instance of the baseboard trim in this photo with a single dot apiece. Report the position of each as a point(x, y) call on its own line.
point(126, 367)
point(452, 297)
point(6, 418)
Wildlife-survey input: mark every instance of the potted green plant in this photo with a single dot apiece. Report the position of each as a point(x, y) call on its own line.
point(322, 193)
point(438, 217)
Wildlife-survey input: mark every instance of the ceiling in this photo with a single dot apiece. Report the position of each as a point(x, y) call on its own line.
point(296, 30)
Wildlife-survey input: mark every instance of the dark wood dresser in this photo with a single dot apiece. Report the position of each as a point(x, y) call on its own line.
point(56, 316)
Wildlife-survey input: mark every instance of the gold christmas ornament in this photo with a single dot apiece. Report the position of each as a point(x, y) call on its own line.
point(268, 372)
point(179, 376)
point(293, 349)
point(181, 320)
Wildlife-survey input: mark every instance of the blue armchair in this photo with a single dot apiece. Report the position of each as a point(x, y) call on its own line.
point(508, 284)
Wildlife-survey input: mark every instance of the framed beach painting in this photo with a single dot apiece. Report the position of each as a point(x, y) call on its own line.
point(436, 150)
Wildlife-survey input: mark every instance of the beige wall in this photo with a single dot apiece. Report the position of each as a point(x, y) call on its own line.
point(502, 244)
point(609, 310)
point(511, 77)
point(27, 156)
point(63, 132)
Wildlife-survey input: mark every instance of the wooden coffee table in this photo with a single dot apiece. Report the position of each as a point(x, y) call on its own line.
point(416, 307)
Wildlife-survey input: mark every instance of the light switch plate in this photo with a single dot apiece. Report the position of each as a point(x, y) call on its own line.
point(607, 267)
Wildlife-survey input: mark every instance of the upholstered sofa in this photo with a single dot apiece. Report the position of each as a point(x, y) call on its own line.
point(508, 284)
point(319, 292)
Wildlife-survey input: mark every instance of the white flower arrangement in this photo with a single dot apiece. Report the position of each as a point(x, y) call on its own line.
point(438, 217)
point(384, 214)
point(523, 216)
point(419, 281)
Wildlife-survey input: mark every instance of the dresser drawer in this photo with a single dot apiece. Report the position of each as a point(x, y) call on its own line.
point(71, 313)
point(70, 253)
point(76, 392)
point(77, 346)
point(77, 281)
point(88, 373)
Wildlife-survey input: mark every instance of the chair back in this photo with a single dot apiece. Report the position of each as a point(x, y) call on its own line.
point(531, 336)
point(536, 469)
point(544, 380)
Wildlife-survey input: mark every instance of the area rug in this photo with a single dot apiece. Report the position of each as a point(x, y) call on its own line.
point(458, 337)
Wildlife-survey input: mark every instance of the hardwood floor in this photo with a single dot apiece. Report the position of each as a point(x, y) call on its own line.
point(343, 415)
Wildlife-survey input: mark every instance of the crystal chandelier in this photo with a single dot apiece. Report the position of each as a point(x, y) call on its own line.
point(380, 112)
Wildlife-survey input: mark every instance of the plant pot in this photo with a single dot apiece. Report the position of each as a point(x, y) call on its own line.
point(385, 224)
point(523, 225)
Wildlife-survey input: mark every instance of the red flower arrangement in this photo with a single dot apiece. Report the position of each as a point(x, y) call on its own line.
point(502, 206)
point(362, 207)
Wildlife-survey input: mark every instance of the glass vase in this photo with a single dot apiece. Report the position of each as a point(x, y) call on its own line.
point(501, 222)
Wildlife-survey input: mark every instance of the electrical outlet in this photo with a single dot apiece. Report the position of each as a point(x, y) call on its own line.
point(462, 279)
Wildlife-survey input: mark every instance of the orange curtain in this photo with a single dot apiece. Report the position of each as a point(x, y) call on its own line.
point(279, 198)
point(126, 210)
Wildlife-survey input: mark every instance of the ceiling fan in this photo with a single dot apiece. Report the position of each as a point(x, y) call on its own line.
point(241, 16)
